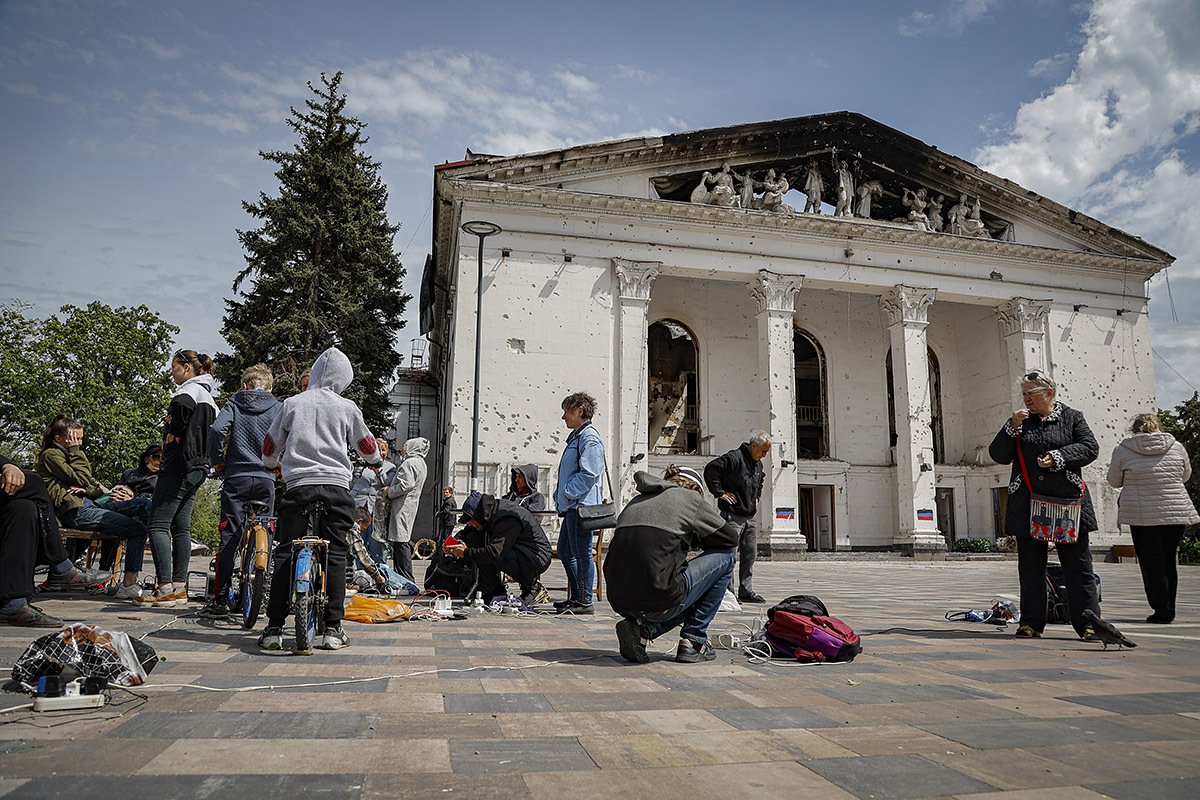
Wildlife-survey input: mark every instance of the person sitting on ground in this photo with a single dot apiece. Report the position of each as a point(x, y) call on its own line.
point(311, 441)
point(19, 535)
point(501, 536)
point(523, 489)
point(142, 478)
point(82, 502)
point(651, 582)
point(235, 449)
point(403, 495)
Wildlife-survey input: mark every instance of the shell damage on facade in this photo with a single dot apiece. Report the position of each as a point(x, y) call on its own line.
point(868, 300)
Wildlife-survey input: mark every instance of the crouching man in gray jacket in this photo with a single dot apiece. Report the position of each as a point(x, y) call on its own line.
point(650, 581)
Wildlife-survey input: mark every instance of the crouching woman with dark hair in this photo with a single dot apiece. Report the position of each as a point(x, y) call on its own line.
point(651, 583)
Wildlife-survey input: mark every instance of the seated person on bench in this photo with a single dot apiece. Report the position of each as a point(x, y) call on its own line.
point(501, 536)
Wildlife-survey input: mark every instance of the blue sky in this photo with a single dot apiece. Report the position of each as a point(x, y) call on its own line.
point(132, 128)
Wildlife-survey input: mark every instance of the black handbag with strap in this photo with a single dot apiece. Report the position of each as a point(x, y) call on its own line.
point(601, 515)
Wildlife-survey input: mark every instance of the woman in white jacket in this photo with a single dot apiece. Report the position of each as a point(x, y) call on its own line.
point(404, 494)
point(1152, 468)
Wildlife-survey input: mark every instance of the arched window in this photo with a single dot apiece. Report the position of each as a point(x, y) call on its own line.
point(935, 405)
point(812, 440)
point(674, 388)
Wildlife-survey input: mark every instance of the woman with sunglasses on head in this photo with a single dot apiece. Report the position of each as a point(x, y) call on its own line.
point(185, 463)
point(1055, 443)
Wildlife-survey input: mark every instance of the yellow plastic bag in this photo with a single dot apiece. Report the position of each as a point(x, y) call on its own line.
point(361, 608)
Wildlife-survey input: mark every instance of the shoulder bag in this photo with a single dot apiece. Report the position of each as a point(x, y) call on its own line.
point(601, 515)
point(1051, 519)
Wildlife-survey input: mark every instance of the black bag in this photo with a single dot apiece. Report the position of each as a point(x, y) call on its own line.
point(1057, 610)
point(601, 515)
point(806, 605)
point(457, 577)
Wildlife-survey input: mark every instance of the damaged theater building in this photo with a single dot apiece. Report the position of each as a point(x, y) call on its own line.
point(865, 298)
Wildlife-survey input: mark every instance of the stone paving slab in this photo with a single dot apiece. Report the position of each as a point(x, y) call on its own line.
point(543, 707)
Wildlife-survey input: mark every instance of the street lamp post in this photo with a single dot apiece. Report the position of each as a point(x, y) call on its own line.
point(483, 230)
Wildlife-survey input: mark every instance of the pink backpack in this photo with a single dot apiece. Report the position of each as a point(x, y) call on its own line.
point(811, 638)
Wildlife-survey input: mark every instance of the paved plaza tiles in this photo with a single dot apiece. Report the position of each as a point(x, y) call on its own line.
point(511, 707)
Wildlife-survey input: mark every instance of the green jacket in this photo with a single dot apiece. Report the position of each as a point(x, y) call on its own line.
point(61, 468)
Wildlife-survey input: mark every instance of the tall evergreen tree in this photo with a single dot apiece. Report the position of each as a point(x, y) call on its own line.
point(321, 266)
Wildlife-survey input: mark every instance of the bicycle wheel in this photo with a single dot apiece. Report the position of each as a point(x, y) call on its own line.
point(305, 603)
point(253, 586)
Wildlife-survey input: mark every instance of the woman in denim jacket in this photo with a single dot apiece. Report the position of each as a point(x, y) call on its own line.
point(580, 471)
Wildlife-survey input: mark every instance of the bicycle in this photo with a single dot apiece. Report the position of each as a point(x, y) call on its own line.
point(309, 595)
point(252, 576)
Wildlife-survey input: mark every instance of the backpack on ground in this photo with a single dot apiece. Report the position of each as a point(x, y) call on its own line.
point(804, 604)
point(816, 637)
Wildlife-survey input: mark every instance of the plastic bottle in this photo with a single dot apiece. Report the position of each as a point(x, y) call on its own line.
point(477, 602)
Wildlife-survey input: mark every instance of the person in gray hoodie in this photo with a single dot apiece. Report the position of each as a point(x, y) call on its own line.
point(403, 495)
point(1151, 468)
point(310, 441)
point(651, 582)
point(235, 448)
point(523, 488)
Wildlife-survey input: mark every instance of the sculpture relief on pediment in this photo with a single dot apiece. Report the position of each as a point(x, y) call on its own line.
point(837, 185)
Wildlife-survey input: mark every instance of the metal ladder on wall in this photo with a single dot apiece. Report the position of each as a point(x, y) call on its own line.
point(416, 373)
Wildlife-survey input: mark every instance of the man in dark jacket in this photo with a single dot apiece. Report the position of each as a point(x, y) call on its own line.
point(501, 536)
point(235, 447)
point(651, 583)
point(142, 478)
point(736, 480)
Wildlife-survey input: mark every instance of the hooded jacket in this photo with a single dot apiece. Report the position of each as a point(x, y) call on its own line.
point(532, 500)
point(404, 491)
point(186, 429)
point(511, 528)
point(1152, 468)
point(645, 564)
point(62, 468)
point(315, 430)
point(237, 435)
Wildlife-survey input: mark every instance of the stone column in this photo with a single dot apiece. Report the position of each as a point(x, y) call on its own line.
point(776, 297)
point(916, 484)
point(1023, 326)
point(630, 368)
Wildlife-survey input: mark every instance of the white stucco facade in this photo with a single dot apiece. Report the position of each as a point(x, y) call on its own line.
point(591, 254)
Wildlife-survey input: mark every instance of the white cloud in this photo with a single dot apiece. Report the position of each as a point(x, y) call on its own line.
point(955, 17)
point(1052, 68)
point(1134, 89)
point(577, 84)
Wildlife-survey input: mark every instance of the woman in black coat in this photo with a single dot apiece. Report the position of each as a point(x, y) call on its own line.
point(1057, 443)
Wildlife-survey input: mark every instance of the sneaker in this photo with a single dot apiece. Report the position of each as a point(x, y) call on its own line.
point(751, 597)
point(559, 605)
point(29, 616)
point(215, 609)
point(271, 639)
point(536, 596)
point(690, 652)
point(334, 639)
point(1027, 632)
point(1160, 619)
point(572, 608)
point(1089, 635)
point(75, 580)
point(180, 596)
point(631, 641)
point(122, 592)
point(159, 598)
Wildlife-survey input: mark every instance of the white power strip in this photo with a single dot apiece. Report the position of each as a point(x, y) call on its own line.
point(68, 703)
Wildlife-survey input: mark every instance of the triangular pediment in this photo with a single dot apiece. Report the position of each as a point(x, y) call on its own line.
point(895, 178)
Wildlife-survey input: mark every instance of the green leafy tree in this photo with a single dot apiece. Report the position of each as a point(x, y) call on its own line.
point(322, 267)
point(1184, 424)
point(106, 366)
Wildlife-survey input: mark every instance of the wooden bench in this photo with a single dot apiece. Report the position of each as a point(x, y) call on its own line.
point(94, 539)
point(1120, 551)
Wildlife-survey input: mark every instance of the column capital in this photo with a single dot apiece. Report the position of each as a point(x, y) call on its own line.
point(775, 292)
point(907, 304)
point(636, 278)
point(1022, 315)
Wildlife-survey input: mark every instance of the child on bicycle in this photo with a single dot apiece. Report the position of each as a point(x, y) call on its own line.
point(310, 442)
point(235, 447)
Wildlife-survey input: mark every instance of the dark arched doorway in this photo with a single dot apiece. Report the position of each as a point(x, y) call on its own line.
point(674, 388)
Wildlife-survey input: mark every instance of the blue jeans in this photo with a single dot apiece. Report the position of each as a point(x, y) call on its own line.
point(171, 525)
point(575, 552)
point(707, 576)
point(117, 519)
